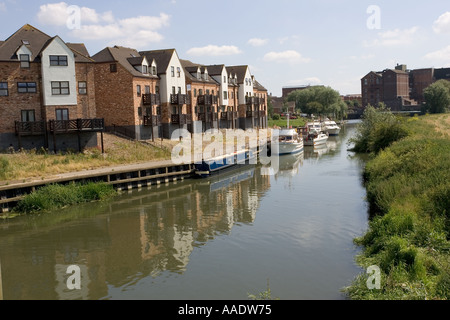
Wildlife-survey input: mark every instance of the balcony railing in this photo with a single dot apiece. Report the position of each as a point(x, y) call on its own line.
point(57, 126)
point(78, 125)
point(178, 99)
point(151, 99)
point(154, 121)
point(30, 128)
point(207, 100)
point(250, 114)
point(181, 119)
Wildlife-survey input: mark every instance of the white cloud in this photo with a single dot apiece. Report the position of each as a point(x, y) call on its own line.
point(440, 57)
point(134, 32)
point(213, 50)
point(256, 42)
point(442, 24)
point(289, 56)
point(395, 37)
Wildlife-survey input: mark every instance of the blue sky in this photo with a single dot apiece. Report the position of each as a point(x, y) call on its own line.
point(285, 42)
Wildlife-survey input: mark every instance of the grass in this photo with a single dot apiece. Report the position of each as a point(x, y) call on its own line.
point(408, 185)
point(56, 196)
point(36, 164)
point(295, 123)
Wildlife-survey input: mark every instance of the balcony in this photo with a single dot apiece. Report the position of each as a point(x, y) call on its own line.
point(78, 125)
point(178, 99)
point(251, 114)
point(151, 99)
point(208, 117)
point(181, 119)
point(207, 100)
point(249, 101)
point(226, 116)
point(30, 128)
point(152, 121)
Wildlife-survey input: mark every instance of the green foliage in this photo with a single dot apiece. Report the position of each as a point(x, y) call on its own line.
point(58, 196)
point(263, 296)
point(379, 129)
point(437, 97)
point(318, 100)
point(276, 117)
point(408, 184)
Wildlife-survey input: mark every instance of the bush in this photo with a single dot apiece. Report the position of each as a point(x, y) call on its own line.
point(4, 167)
point(276, 117)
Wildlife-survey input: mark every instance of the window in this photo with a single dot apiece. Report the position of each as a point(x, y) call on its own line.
point(4, 89)
point(26, 87)
point(224, 79)
point(25, 61)
point(138, 90)
point(82, 87)
point(179, 72)
point(154, 70)
point(200, 92)
point(195, 92)
point(179, 90)
point(225, 95)
point(145, 69)
point(147, 89)
point(113, 67)
point(62, 114)
point(60, 88)
point(157, 89)
point(28, 116)
point(172, 71)
point(173, 90)
point(58, 61)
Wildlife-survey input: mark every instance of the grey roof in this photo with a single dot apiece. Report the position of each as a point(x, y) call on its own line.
point(36, 41)
point(239, 71)
point(162, 58)
point(127, 57)
point(258, 86)
point(190, 68)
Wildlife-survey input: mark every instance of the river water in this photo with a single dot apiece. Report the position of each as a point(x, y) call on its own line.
point(220, 238)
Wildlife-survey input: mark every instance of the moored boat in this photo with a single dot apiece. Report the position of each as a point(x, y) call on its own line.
point(214, 165)
point(289, 142)
point(331, 127)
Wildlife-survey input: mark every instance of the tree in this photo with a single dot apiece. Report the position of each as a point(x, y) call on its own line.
point(437, 97)
point(269, 106)
point(315, 100)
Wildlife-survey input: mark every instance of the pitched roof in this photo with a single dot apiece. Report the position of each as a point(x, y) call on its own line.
point(80, 51)
point(191, 68)
point(162, 58)
point(34, 39)
point(258, 86)
point(127, 57)
point(240, 71)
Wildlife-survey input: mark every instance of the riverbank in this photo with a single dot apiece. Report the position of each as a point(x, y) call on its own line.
point(408, 188)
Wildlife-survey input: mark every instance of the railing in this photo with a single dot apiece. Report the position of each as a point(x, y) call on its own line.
point(154, 121)
point(181, 119)
point(65, 126)
point(249, 100)
point(178, 99)
point(151, 99)
point(250, 114)
point(207, 100)
point(30, 128)
point(59, 126)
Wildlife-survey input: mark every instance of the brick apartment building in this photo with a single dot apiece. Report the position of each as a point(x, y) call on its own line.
point(47, 93)
point(399, 88)
point(55, 95)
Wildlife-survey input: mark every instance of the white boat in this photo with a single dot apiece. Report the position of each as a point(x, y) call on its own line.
point(289, 142)
point(331, 127)
point(315, 126)
point(313, 134)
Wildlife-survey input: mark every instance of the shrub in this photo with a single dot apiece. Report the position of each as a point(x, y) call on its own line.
point(4, 167)
point(276, 117)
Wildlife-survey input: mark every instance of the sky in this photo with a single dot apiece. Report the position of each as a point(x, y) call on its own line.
point(285, 43)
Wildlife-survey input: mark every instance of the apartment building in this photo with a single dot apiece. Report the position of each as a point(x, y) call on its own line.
point(47, 93)
point(127, 92)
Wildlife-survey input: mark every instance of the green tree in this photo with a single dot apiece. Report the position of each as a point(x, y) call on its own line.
point(315, 100)
point(269, 107)
point(437, 97)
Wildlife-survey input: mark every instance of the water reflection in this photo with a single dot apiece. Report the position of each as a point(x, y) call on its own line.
point(199, 239)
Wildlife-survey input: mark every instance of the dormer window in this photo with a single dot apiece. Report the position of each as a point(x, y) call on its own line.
point(154, 70)
point(145, 69)
point(24, 61)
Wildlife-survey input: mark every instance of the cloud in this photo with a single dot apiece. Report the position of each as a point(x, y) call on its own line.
point(256, 42)
point(395, 37)
point(289, 56)
point(134, 32)
point(440, 56)
point(213, 50)
point(442, 24)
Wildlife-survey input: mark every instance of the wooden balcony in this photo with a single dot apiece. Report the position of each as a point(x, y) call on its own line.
point(151, 99)
point(250, 114)
point(181, 119)
point(152, 121)
point(35, 128)
point(207, 100)
point(226, 116)
point(249, 101)
point(178, 99)
point(208, 117)
point(78, 125)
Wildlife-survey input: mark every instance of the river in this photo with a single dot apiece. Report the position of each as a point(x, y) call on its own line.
point(220, 238)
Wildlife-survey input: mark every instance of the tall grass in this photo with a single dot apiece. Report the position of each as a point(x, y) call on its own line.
point(58, 196)
point(408, 184)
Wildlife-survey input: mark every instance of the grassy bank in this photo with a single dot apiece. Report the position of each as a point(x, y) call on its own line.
point(408, 188)
point(56, 196)
point(295, 123)
point(36, 164)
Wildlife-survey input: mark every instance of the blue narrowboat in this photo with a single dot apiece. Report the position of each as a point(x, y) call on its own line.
point(217, 164)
